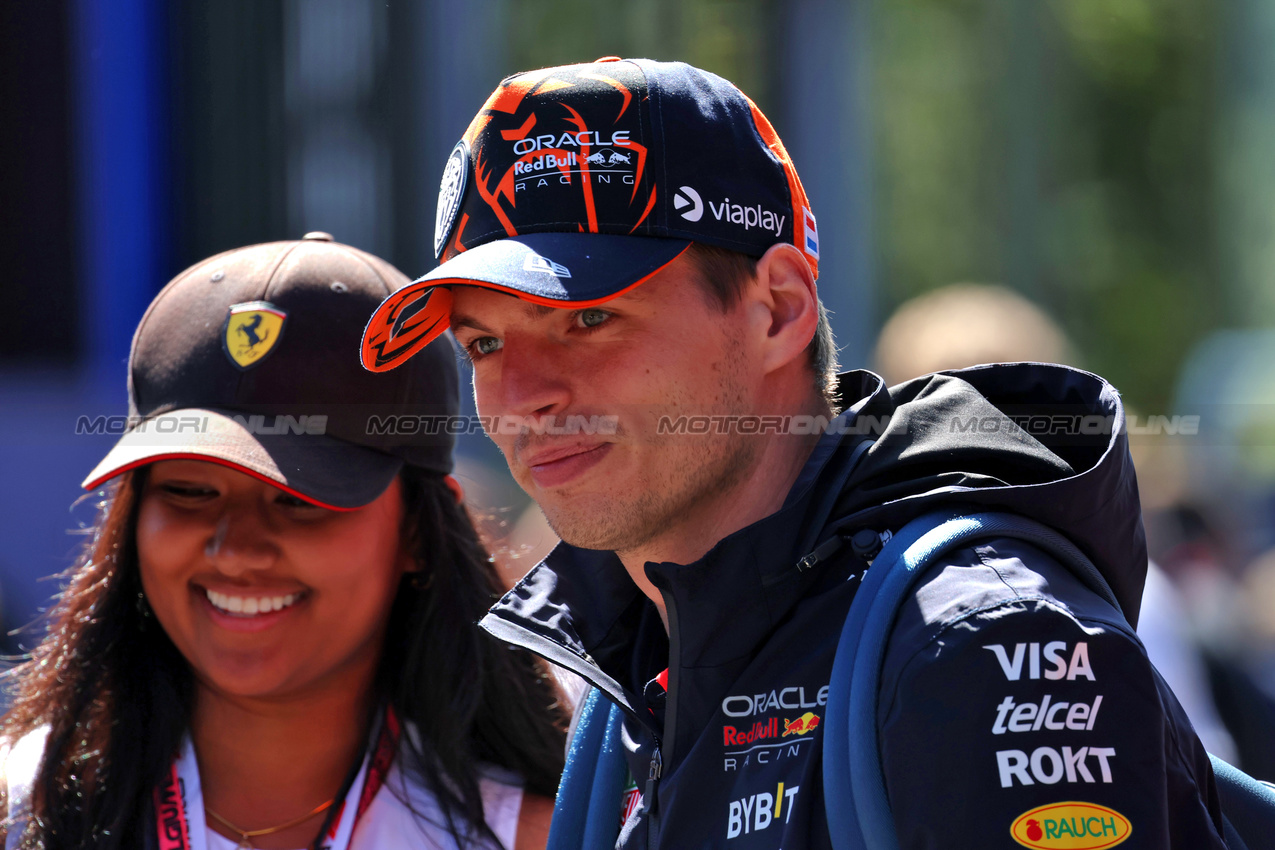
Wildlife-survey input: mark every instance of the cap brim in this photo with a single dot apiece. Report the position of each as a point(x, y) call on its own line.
point(322, 470)
point(552, 269)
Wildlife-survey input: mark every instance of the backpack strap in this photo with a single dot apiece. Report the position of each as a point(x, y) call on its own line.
point(852, 760)
point(586, 813)
point(1248, 805)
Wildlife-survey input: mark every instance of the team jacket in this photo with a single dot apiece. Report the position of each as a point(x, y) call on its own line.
point(1016, 707)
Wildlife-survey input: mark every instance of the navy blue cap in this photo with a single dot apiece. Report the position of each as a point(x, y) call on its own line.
point(574, 184)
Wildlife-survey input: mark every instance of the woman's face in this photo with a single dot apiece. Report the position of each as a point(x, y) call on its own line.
point(264, 594)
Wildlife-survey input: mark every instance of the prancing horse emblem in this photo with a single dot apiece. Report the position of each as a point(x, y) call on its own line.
point(252, 331)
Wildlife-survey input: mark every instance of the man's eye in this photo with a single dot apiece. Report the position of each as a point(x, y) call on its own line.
point(485, 345)
point(592, 317)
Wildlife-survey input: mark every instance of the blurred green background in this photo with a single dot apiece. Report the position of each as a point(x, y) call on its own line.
point(1086, 153)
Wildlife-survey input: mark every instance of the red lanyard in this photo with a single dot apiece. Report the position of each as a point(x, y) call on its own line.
point(179, 808)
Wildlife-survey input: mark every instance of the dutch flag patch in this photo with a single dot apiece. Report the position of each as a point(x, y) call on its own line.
point(812, 233)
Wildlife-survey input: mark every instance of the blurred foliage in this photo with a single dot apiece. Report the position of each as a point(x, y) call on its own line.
point(727, 37)
point(1062, 148)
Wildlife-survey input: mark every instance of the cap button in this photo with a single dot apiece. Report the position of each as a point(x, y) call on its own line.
point(609, 59)
point(318, 236)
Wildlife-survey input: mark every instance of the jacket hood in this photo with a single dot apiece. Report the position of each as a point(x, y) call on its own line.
point(1044, 441)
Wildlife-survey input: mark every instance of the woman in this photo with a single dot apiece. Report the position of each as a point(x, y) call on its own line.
point(269, 640)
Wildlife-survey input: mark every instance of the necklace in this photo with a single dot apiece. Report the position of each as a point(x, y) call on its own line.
point(246, 834)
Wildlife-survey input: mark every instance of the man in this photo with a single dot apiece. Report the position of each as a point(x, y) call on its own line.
point(630, 261)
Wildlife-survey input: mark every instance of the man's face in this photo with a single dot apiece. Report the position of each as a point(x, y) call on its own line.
point(659, 352)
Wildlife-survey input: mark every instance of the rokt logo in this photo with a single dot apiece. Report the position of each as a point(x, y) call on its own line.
point(688, 197)
point(1071, 826)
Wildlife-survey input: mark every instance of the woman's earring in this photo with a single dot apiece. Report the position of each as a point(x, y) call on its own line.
point(143, 607)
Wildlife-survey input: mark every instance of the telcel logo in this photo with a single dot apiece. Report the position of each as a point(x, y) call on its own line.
point(1071, 826)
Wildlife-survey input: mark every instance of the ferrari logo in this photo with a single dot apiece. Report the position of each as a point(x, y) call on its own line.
point(252, 331)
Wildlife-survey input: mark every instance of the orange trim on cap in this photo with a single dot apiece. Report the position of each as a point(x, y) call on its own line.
point(798, 192)
point(618, 86)
point(590, 210)
point(385, 346)
point(521, 132)
point(492, 199)
point(508, 97)
point(480, 122)
point(553, 85)
point(457, 247)
point(379, 333)
point(92, 485)
point(649, 206)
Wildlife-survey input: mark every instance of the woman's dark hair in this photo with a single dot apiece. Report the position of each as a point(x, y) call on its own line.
point(117, 695)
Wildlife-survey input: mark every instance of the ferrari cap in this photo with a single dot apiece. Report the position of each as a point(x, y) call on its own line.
point(244, 360)
point(575, 184)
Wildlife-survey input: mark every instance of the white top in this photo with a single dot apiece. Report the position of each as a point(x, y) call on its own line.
point(388, 823)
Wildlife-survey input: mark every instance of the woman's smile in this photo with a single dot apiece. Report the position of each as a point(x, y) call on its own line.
point(263, 593)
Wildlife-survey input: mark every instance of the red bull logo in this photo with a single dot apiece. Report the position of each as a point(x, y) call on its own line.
point(803, 724)
point(762, 729)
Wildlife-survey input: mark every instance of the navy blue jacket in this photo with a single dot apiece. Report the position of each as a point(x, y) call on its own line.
point(1009, 689)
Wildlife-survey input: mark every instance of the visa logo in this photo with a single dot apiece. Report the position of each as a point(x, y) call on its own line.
point(1059, 667)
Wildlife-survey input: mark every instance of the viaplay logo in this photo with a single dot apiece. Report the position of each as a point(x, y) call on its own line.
point(747, 216)
point(1071, 826)
point(688, 197)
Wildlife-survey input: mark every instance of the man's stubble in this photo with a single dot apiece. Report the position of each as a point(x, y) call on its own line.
point(693, 473)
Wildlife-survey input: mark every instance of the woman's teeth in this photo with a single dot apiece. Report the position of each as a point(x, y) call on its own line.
point(250, 605)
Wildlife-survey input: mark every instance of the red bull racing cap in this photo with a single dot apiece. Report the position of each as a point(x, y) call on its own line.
point(243, 360)
point(574, 184)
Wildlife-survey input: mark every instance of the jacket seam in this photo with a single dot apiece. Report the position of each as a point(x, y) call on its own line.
point(948, 625)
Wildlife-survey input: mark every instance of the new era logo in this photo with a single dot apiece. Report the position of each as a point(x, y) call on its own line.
point(687, 197)
point(537, 263)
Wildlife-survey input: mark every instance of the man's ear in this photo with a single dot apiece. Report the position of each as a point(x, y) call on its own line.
point(785, 300)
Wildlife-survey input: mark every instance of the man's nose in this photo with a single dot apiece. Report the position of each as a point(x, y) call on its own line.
point(534, 377)
point(242, 542)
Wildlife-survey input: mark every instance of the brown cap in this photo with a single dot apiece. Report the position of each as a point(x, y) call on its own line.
point(250, 359)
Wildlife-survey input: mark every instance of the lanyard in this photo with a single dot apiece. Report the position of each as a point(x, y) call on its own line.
point(179, 801)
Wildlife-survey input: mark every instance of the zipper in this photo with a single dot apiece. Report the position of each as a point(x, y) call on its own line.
point(584, 667)
point(656, 770)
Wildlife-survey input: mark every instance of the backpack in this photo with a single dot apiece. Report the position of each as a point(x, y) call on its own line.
point(586, 808)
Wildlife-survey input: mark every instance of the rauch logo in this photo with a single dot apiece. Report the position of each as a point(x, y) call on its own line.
point(1071, 826)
